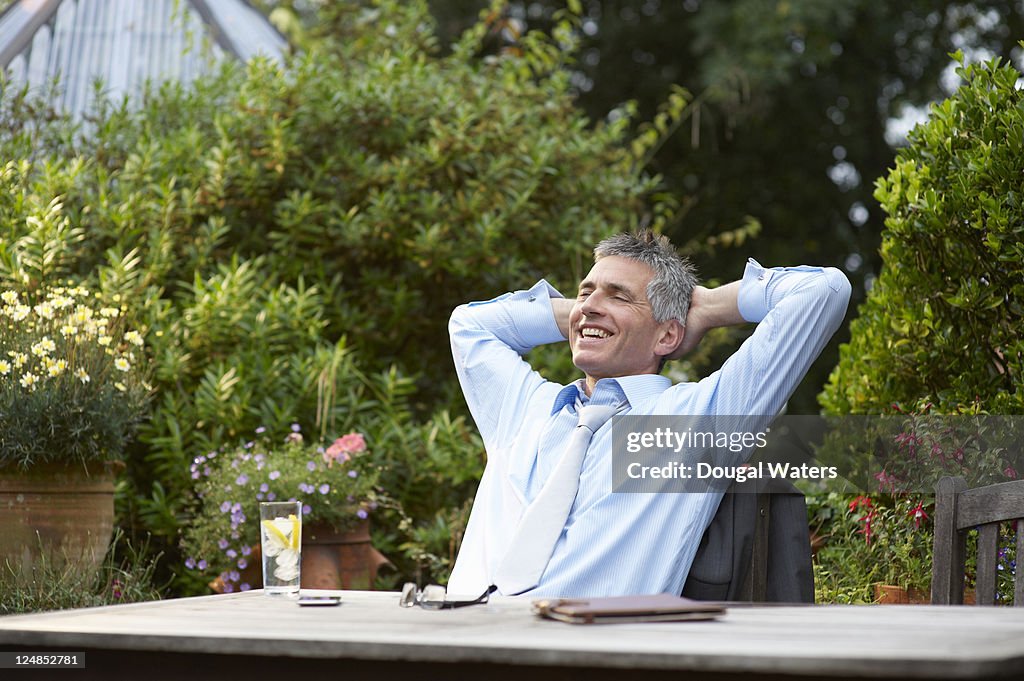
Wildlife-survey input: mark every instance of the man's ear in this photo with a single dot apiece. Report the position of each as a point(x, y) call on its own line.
point(671, 339)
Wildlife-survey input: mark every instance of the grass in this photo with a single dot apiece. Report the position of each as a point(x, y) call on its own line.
point(126, 576)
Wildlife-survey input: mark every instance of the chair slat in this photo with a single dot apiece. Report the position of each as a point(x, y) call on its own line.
point(988, 545)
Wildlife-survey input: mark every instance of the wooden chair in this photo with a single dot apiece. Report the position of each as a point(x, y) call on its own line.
point(957, 510)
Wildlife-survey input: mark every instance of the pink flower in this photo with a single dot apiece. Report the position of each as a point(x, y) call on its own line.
point(918, 514)
point(886, 482)
point(1010, 472)
point(342, 449)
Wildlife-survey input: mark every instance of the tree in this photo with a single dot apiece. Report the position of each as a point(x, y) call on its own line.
point(942, 324)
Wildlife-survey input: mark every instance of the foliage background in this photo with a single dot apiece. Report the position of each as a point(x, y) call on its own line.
point(297, 237)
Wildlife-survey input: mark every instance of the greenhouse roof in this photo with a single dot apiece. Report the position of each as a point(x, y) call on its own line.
point(126, 43)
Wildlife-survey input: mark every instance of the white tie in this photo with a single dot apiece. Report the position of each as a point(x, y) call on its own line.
point(541, 525)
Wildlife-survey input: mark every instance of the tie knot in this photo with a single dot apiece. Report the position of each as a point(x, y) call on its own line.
point(593, 416)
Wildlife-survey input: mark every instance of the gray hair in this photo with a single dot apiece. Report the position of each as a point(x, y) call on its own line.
point(671, 288)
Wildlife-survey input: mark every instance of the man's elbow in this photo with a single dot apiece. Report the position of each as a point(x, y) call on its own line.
point(837, 295)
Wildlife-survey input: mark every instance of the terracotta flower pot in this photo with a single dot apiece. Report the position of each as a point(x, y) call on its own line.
point(58, 513)
point(330, 560)
point(888, 594)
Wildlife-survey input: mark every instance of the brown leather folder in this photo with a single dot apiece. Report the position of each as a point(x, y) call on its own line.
point(620, 609)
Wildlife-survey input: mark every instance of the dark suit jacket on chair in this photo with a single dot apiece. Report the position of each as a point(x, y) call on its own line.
point(757, 548)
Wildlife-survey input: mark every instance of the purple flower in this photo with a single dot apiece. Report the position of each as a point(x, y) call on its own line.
point(352, 474)
point(249, 444)
point(361, 514)
point(242, 563)
point(242, 479)
point(201, 565)
point(264, 487)
point(261, 430)
point(246, 550)
point(306, 510)
point(222, 544)
point(190, 563)
point(236, 507)
point(206, 471)
point(231, 553)
point(296, 428)
point(234, 576)
point(271, 496)
point(311, 466)
point(228, 587)
point(325, 488)
point(259, 496)
point(274, 475)
point(225, 507)
point(244, 586)
point(195, 475)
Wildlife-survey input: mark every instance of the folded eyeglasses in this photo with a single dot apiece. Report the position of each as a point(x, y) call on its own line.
point(435, 597)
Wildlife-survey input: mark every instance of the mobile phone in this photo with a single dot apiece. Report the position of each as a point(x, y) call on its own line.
point(319, 600)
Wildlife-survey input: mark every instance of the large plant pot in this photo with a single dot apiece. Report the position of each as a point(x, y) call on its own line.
point(58, 514)
point(333, 560)
point(330, 560)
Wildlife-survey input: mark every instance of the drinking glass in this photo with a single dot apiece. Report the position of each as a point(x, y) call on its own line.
point(281, 543)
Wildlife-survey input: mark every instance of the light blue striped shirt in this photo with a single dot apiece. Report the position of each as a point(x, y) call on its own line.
point(616, 543)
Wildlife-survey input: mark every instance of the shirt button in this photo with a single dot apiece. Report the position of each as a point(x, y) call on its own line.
point(533, 298)
point(760, 277)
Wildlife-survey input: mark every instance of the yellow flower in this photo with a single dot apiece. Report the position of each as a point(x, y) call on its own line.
point(57, 368)
point(121, 364)
point(5, 367)
point(68, 330)
point(104, 340)
point(20, 358)
point(60, 302)
point(44, 347)
point(44, 310)
point(9, 297)
point(121, 386)
point(29, 380)
point(134, 337)
point(82, 375)
point(20, 312)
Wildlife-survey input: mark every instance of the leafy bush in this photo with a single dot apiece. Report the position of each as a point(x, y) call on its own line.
point(296, 236)
point(885, 539)
point(942, 323)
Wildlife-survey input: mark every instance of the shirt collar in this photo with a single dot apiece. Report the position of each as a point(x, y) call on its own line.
point(634, 389)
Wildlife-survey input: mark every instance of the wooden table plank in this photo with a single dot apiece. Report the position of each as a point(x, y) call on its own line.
point(837, 641)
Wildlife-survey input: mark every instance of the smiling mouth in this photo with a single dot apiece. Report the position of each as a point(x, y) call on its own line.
point(591, 333)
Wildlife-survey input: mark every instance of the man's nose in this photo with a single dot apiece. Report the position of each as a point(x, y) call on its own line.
point(593, 305)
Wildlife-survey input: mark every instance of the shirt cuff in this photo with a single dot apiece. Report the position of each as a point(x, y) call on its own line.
point(752, 299)
point(531, 315)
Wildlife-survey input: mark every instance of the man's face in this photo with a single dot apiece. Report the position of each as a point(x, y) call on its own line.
point(612, 331)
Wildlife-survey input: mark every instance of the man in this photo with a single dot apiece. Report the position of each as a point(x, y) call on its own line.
point(638, 307)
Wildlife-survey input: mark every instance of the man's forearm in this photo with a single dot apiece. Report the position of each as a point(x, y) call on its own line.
point(709, 309)
point(561, 308)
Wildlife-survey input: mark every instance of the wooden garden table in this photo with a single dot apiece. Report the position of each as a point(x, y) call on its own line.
point(250, 636)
